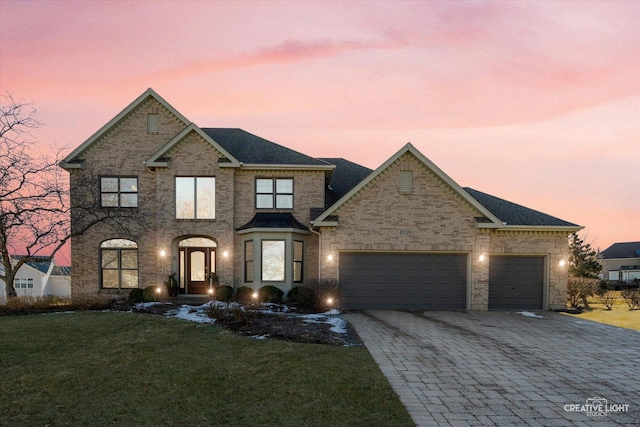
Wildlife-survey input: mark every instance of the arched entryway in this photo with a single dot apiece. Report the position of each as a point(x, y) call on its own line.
point(197, 264)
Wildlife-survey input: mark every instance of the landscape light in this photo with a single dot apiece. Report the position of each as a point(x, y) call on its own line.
point(255, 295)
point(210, 291)
point(158, 290)
point(329, 301)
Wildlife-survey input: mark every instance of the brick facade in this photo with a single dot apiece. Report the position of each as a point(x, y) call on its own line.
point(430, 216)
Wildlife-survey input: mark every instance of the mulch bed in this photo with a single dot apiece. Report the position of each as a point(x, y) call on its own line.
point(290, 327)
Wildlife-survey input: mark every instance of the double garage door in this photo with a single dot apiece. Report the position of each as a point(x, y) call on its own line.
point(425, 281)
point(412, 281)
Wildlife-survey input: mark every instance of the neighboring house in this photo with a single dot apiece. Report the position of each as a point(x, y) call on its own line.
point(256, 213)
point(39, 277)
point(621, 263)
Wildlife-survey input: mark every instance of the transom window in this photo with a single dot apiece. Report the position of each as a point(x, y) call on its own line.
point(119, 192)
point(274, 193)
point(119, 263)
point(195, 197)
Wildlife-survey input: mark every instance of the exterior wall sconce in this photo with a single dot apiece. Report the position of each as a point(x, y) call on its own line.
point(482, 257)
point(562, 263)
point(330, 257)
point(225, 254)
point(163, 253)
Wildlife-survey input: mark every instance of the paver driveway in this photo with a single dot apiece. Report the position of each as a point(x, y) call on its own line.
point(499, 368)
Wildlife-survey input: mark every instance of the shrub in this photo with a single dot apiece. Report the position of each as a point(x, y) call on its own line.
point(314, 294)
point(292, 295)
point(632, 298)
point(579, 289)
point(51, 303)
point(136, 296)
point(224, 293)
point(608, 298)
point(244, 293)
point(270, 294)
point(150, 294)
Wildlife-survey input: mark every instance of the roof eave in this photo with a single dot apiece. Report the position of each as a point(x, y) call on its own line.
point(506, 227)
point(267, 166)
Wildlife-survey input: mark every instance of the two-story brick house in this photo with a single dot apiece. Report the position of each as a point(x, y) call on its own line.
point(256, 213)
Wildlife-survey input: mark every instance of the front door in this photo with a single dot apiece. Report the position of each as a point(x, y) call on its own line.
point(200, 263)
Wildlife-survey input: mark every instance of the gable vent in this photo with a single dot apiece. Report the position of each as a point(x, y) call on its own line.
point(406, 182)
point(153, 123)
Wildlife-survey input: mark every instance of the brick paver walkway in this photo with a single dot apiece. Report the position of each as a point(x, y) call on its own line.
point(504, 369)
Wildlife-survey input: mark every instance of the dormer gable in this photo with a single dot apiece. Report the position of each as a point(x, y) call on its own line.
point(75, 159)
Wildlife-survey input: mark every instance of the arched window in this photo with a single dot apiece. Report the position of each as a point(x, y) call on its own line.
point(119, 264)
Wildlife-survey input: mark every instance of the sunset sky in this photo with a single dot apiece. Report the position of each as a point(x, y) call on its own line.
point(534, 102)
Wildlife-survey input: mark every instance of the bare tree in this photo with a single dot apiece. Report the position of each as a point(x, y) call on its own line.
point(33, 196)
point(35, 209)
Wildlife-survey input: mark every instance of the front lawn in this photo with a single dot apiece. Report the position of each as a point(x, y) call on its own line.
point(110, 368)
point(620, 315)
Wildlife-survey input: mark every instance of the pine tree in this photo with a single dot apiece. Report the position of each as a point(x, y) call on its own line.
point(582, 259)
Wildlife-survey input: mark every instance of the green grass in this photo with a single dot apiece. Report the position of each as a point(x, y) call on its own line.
point(97, 369)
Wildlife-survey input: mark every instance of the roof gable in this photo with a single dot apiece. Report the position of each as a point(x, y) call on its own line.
point(408, 148)
point(70, 161)
point(158, 159)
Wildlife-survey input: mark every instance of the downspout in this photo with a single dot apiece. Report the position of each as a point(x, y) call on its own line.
point(319, 250)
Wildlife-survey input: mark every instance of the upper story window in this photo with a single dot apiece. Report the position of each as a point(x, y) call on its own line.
point(119, 192)
point(274, 193)
point(195, 197)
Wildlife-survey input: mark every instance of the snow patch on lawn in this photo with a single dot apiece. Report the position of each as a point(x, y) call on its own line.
point(530, 314)
point(192, 313)
point(338, 325)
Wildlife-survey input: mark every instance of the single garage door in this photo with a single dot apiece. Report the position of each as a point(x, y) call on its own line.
point(412, 281)
point(516, 282)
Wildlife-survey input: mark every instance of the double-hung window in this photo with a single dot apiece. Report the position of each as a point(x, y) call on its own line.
point(119, 192)
point(274, 193)
point(195, 197)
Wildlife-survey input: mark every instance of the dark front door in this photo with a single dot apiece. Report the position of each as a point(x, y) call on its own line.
point(200, 263)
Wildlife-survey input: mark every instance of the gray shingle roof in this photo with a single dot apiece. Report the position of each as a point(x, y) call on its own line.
point(39, 263)
point(61, 270)
point(622, 250)
point(251, 149)
point(514, 214)
point(345, 176)
point(273, 220)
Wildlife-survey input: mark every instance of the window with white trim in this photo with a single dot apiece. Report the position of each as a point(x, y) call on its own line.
point(274, 193)
point(195, 197)
point(248, 261)
point(118, 192)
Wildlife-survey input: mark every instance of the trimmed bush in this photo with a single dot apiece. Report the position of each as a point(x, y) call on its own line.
point(224, 293)
point(244, 293)
point(150, 294)
point(270, 294)
point(136, 296)
point(314, 294)
point(292, 295)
